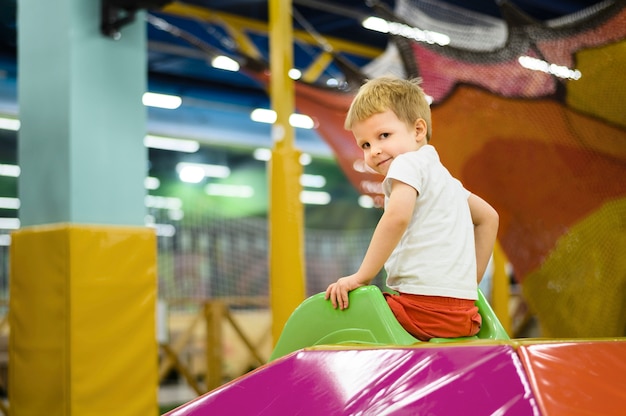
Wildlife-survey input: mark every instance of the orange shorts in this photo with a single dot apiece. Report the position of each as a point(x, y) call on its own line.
point(427, 317)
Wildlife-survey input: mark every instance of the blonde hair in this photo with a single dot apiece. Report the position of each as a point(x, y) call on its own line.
point(405, 98)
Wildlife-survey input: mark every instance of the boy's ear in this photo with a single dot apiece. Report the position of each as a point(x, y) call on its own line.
point(420, 128)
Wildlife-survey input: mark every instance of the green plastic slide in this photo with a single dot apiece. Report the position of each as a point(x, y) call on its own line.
point(367, 321)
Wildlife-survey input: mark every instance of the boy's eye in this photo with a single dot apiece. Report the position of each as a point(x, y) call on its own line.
point(365, 146)
point(384, 135)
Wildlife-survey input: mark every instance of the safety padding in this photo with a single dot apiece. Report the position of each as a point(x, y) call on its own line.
point(464, 379)
point(368, 320)
point(576, 377)
point(83, 331)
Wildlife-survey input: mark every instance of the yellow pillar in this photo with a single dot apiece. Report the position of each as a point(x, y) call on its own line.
point(214, 312)
point(500, 291)
point(82, 321)
point(286, 258)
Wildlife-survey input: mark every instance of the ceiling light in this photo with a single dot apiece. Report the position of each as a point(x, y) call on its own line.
point(9, 124)
point(212, 171)
point(312, 181)
point(233, 191)
point(5, 240)
point(305, 159)
point(151, 183)
point(170, 102)
point(315, 197)
point(263, 115)
point(191, 174)
point(262, 154)
point(163, 202)
point(225, 63)
point(9, 223)
point(381, 25)
point(170, 143)
point(366, 201)
point(553, 69)
point(9, 203)
point(376, 24)
point(302, 121)
point(9, 170)
point(295, 74)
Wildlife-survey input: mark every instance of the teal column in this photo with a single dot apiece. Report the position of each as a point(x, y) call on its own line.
point(83, 266)
point(82, 120)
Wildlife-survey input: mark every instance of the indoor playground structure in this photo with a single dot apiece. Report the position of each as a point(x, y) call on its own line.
point(360, 361)
point(529, 115)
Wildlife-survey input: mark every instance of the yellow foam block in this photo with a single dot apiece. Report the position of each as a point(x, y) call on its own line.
point(82, 315)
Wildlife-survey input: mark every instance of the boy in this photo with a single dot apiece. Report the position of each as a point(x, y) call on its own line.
point(434, 238)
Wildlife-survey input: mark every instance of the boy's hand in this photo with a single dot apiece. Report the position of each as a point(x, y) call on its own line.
point(338, 292)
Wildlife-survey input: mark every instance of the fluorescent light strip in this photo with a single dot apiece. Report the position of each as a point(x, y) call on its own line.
point(171, 143)
point(381, 25)
point(163, 202)
point(191, 174)
point(262, 154)
point(5, 240)
point(225, 63)
point(295, 74)
point(169, 102)
point(151, 183)
point(263, 115)
point(312, 181)
point(301, 121)
point(233, 191)
point(9, 203)
point(305, 159)
point(9, 223)
point(193, 170)
point(9, 124)
point(315, 197)
point(10, 170)
point(366, 201)
point(560, 71)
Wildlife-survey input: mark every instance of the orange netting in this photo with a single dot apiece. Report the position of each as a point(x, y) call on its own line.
point(549, 153)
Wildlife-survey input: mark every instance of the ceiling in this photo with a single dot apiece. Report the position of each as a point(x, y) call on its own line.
point(184, 36)
point(326, 20)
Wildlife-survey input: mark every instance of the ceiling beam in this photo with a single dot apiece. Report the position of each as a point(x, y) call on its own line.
point(245, 24)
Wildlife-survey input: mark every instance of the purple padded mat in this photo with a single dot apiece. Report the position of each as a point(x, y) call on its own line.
point(446, 380)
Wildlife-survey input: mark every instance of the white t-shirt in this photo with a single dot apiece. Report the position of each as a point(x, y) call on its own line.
point(436, 255)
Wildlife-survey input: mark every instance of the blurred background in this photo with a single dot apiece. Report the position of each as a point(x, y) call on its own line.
point(527, 102)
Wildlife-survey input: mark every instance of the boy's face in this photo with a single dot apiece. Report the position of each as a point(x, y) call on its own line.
point(383, 136)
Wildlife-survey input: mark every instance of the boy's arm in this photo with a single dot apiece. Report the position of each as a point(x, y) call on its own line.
point(485, 220)
point(387, 235)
